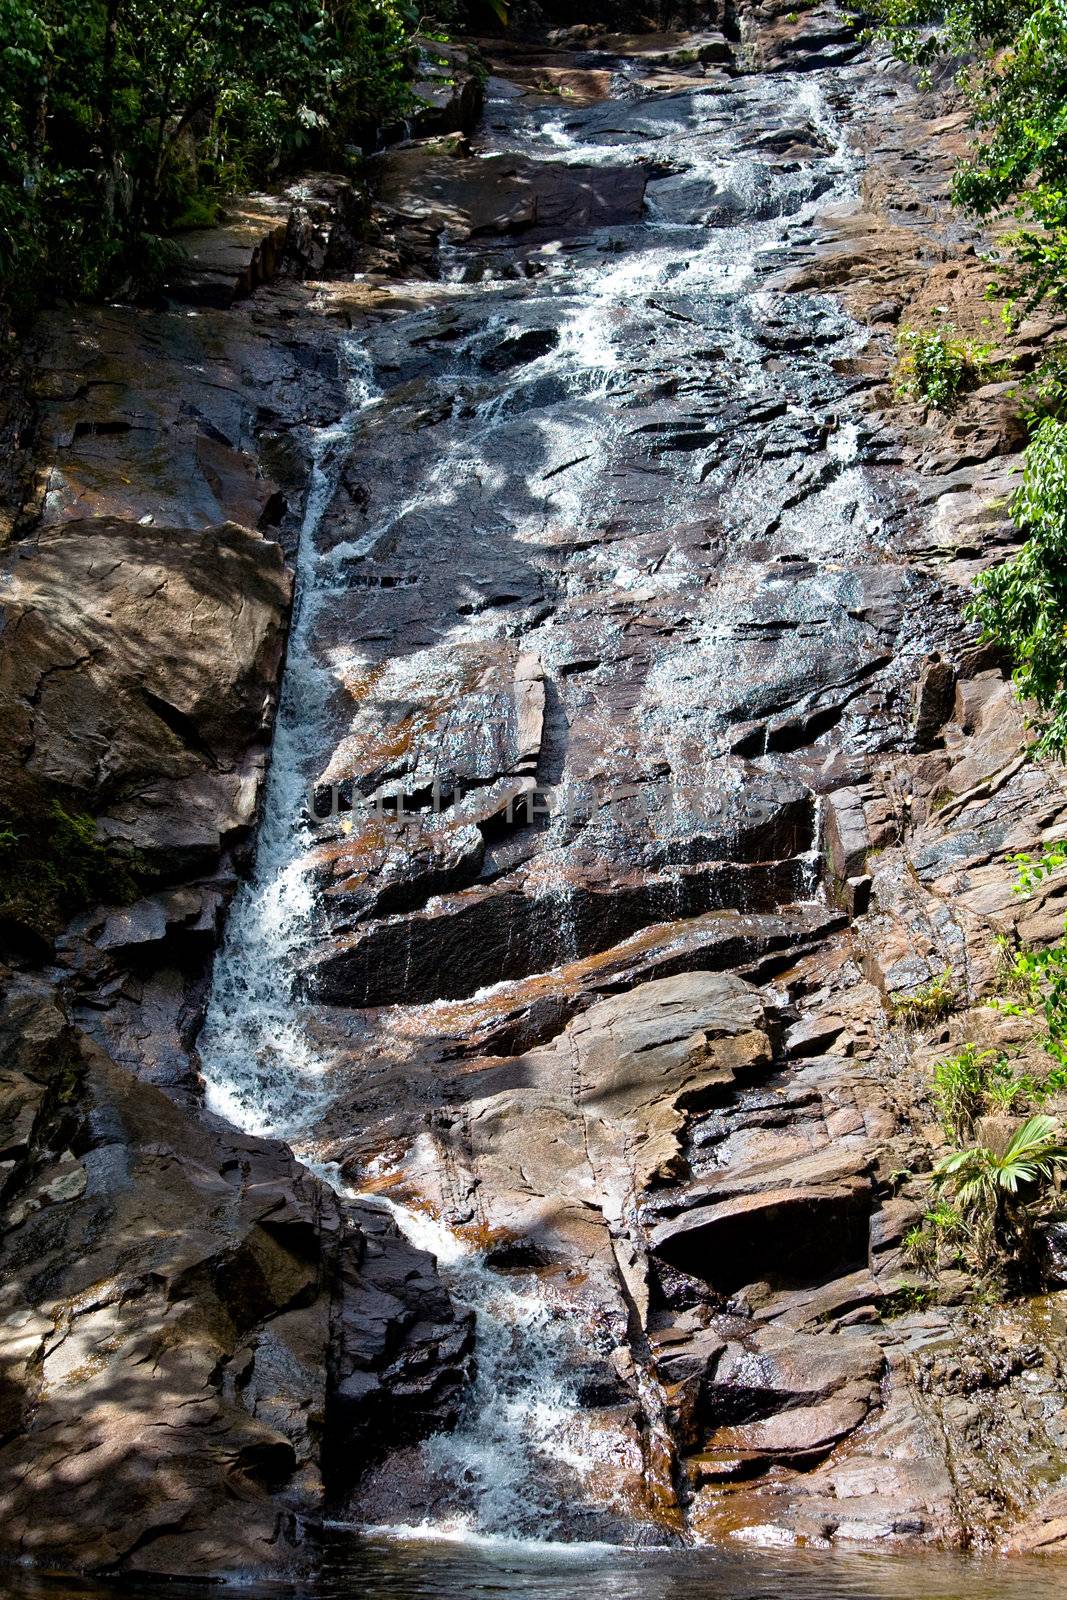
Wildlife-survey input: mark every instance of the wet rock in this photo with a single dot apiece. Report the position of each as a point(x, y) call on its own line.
point(170, 419)
point(847, 838)
point(558, 1144)
point(463, 941)
point(1053, 1243)
point(505, 194)
point(933, 701)
point(524, 347)
point(402, 1353)
point(666, 565)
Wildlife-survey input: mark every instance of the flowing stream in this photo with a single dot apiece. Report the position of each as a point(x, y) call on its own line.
point(717, 220)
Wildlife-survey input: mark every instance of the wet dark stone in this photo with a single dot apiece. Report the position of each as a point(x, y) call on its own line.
point(524, 347)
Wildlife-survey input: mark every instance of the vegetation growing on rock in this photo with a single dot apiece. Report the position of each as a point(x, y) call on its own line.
point(1002, 1167)
point(1035, 979)
point(926, 1004)
point(936, 366)
point(1022, 603)
point(53, 870)
point(1013, 70)
point(996, 1191)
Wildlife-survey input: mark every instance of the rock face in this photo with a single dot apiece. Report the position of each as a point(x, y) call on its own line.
point(561, 1145)
point(671, 484)
point(650, 774)
point(198, 1338)
point(137, 675)
point(808, 1218)
point(186, 1315)
point(173, 419)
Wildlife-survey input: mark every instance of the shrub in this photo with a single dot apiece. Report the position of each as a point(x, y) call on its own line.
point(942, 1229)
point(1022, 603)
point(937, 367)
point(974, 1082)
point(960, 1084)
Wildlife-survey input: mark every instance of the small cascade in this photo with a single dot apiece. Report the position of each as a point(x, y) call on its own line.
point(524, 1462)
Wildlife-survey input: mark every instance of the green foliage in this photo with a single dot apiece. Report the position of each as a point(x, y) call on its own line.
point(928, 1003)
point(960, 1087)
point(942, 1232)
point(974, 1082)
point(938, 367)
point(1022, 604)
point(1035, 1151)
point(1032, 870)
point(119, 116)
point(905, 1298)
point(989, 1187)
point(1034, 979)
point(1004, 1090)
point(1048, 388)
point(1014, 55)
point(1039, 978)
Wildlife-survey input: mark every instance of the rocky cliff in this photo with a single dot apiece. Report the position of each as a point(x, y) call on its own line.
point(662, 773)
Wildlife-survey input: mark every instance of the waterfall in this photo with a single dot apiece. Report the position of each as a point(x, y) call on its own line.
point(526, 1461)
point(261, 1071)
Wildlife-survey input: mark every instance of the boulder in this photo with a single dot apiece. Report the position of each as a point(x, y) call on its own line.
point(137, 677)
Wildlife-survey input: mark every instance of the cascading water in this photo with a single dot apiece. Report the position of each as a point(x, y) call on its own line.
point(522, 1447)
point(260, 1069)
point(525, 1460)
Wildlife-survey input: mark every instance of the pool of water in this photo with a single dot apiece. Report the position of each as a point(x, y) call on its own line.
point(386, 1569)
